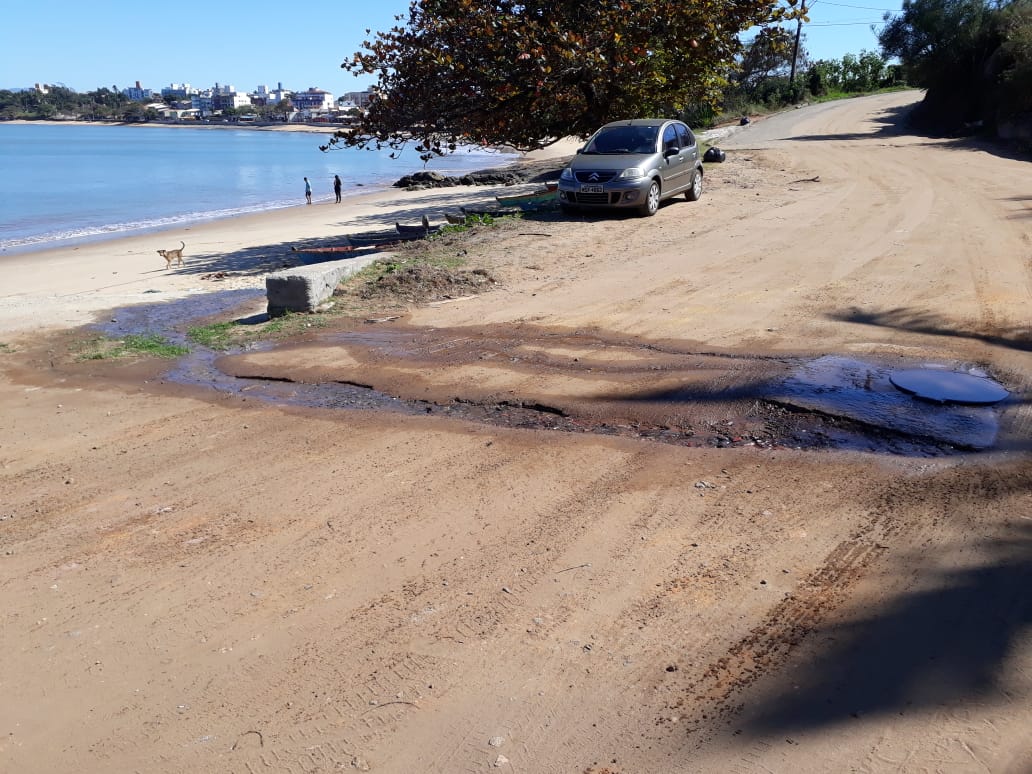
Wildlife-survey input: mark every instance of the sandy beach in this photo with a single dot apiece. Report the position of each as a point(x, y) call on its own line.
point(66, 286)
point(648, 503)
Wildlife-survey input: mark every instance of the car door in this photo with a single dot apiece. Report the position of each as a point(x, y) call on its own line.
point(690, 152)
point(673, 167)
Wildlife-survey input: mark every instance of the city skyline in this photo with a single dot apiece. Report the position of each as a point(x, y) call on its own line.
point(85, 48)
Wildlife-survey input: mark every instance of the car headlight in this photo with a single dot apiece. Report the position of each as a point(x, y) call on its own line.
point(566, 174)
point(632, 173)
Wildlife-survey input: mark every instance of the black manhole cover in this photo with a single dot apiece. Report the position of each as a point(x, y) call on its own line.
point(943, 386)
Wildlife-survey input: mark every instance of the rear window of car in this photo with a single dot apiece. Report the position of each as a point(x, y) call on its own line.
point(624, 139)
point(684, 134)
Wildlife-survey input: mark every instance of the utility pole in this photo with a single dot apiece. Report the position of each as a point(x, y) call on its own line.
point(798, 33)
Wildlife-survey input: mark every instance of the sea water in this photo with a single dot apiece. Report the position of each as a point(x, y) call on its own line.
point(68, 184)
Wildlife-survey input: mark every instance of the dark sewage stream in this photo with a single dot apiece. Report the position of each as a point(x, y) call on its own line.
point(826, 402)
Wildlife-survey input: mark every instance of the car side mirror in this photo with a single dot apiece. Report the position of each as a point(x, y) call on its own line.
point(670, 152)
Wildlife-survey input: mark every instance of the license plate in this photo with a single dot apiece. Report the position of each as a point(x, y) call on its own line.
point(591, 189)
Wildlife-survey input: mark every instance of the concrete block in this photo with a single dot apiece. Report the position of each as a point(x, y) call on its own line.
point(304, 288)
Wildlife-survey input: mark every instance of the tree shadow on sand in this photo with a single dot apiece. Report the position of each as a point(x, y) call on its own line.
point(891, 122)
point(898, 122)
point(944, 644)
point(1017, 338)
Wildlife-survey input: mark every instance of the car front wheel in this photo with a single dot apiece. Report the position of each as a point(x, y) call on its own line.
point(694, 193)
point(651, 206)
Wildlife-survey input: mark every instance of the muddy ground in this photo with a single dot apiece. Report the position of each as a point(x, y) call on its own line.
point(641, 501)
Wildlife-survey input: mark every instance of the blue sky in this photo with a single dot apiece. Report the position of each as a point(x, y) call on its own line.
point(85, 45)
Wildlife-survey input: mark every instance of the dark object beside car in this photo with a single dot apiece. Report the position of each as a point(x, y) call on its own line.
point(714, 155)
point(633, 165)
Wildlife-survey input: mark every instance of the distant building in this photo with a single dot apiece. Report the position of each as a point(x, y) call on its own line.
point(202, 103)
point(313, 100)
point(137, 93)
point(232, 100)
point(178, 91)
point(279, 94)
point(179, 114)
point(358, 99)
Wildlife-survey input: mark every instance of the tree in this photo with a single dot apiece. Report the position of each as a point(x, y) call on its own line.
point(284, 108)
point(767, 55)
point(960, 51)
point(1015, 65)
point(823, 76)
point(134, 112)
point(528, 73)
point(863, 73)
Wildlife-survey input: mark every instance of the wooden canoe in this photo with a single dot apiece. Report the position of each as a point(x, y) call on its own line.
point(493, 213)
point(416, 231)
point(328, 250)
point(381, 240)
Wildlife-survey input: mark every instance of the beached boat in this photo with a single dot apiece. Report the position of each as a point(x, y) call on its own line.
point(361, 242)
point(493, 213)
point(544, 199)
point(416, 231)
point(384, 239)
point(326, 250)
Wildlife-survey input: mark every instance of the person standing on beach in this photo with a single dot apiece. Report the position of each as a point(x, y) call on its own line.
point(308, 191)
point(336, 187)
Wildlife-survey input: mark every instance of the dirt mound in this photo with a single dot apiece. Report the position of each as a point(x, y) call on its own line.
point(422, 282)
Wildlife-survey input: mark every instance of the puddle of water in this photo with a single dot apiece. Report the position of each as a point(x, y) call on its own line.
point(864, 392)
point(940, 385)
point(172, 318)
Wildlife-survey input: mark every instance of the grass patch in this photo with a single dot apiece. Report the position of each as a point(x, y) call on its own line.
point(6, 348)
point(141, 345)
point(214, 336)
point(385, 267)
point(291, 325)
point(224, 335)
point(472, 221)
point(833, 96)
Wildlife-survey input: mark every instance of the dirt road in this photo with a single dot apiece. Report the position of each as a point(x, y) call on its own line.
point(587, 530)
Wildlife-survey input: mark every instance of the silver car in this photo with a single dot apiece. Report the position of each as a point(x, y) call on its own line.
point(633, 164)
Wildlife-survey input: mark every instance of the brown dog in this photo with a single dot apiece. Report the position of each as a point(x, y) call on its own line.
point(173, 255)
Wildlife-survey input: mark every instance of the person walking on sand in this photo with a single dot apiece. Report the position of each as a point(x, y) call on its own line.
point(336, 187)
point(308, 191)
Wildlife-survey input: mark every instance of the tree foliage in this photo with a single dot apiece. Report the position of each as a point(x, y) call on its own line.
point(528, 73)
point(768, 55)
point(1015, 66)
point(973, 56)
point(60, 100)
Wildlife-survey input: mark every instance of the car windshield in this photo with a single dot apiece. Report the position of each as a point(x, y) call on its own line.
point(624, 139)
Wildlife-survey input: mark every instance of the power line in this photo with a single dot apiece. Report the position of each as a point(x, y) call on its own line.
point(844, 24)
point(863, 7)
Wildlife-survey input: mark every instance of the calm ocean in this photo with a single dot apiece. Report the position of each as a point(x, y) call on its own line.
point(63, 185)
